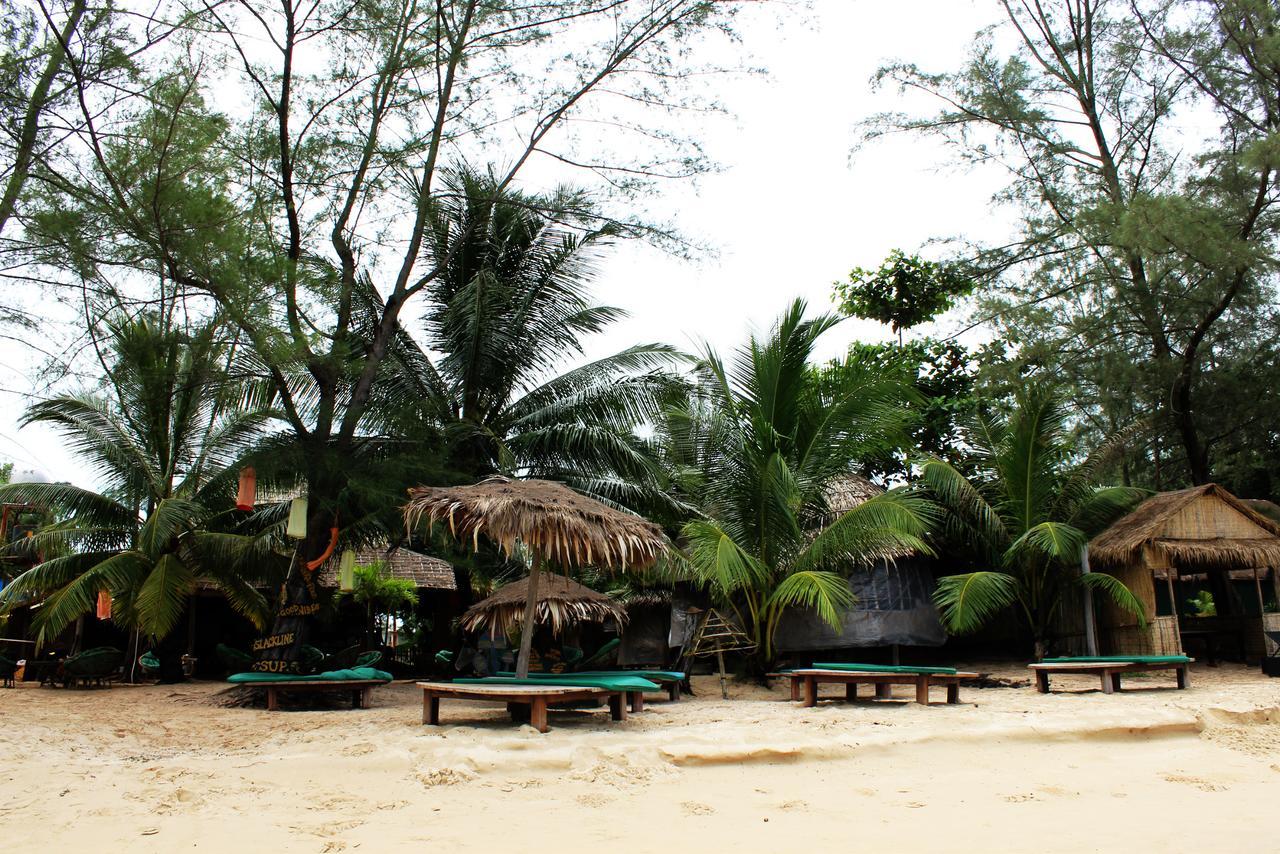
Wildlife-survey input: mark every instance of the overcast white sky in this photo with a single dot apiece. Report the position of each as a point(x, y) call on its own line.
point(790, 213)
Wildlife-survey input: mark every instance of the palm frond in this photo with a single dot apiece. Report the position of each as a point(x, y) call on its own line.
point(966, 602)
point(1115, 590)
point(825, 592)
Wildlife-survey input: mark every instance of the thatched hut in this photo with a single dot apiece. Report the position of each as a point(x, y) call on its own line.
point(1176, 543)
point(561, 602)
point(893, 597)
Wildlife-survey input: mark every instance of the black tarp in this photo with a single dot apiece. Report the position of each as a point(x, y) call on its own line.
point(893, 607)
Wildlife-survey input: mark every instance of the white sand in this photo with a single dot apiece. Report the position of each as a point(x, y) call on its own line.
point(164, 769)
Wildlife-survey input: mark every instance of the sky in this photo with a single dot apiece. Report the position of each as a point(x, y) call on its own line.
point(792, 209)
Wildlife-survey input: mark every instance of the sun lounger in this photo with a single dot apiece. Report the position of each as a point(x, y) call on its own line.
point(805, 681)
point(664, 680)
point(536, 694)
point(1109, 668)
point(634, 687)
point(93, 666)
point(359, 681)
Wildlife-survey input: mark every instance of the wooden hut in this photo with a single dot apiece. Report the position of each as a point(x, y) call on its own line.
point(1175, 541)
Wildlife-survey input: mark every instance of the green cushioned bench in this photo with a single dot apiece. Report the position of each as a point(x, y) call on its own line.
point(806, 680)
point(665, 680)
point(537, 694)
point(1110, 667)
point(360, 681)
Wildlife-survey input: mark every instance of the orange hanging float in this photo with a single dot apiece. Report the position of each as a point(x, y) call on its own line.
point(104, 605)
point(247, 494)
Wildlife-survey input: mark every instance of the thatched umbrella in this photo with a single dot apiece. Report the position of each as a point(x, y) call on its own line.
point(549, 519)
point(561, 601)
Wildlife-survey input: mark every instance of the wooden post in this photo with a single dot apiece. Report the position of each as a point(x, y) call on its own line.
point(1173, 607)
point(538, 714)
point(530, 612)
point(724, 688)
point(922, 689)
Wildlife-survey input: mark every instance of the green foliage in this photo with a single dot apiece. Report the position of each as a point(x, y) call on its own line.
point(757, 448)
point(1141, 274)
point(943, 375)
point(163, 443)
point(380, 594)
point(904, 292)
point(1024, 516)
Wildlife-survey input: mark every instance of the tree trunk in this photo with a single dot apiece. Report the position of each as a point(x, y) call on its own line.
point(281, 651)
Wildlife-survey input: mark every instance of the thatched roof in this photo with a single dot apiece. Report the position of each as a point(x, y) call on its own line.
point(546, 517)
point(848, 491)
point(425, 571)
point(561, 601)
point(1205, 527)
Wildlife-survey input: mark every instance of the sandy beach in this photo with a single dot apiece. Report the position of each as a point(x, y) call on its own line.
point(166, 768)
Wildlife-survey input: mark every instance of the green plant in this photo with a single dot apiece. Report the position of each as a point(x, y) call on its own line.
point(757, 449)
point(904, 292)
point(1025, 515)
point(163, 443)
point(381, 595)
point(1202, 604)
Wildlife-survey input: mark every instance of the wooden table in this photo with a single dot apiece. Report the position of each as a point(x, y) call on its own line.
point(804, 683)
point(359, 688)
point(1108, 671)
point(536, 697)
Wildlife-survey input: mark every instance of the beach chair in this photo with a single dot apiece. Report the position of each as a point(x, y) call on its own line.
point(1110, 667)
point(600, 656)
point(538, 693)
point(368, 659)
point(8, 667)
point(664, 680)
point(234, 660)
point(806, 681)
point(93, 666)
point(150, 664)
point(359, 682)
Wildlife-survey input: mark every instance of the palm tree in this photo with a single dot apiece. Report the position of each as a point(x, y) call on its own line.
point(757, 448)
point(163, 442)
point(504, 321)
point(1026, 515)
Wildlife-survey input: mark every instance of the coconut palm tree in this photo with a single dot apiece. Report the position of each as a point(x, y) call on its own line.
point(757, 448)
point(504, 322)
point(162, 442)
point(1026, 516)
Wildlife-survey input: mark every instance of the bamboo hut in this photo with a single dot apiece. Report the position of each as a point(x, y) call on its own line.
point(1175, 541)
point(561, 602)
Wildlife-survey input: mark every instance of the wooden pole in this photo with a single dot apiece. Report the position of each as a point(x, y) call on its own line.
point(530, 612)
point(724, 688)
point(1173, 607)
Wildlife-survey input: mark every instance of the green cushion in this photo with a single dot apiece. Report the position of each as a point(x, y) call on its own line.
point(352, 674)
point(659, 676)
point(603, 652)
point(149, 661)
point(613, 683)
point(882, 668)
point(1120, 659)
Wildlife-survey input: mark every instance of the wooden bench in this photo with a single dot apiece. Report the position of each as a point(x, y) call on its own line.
point(536, 697)
point(804, 683)
point(359, 689)
point(1108, 671)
